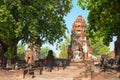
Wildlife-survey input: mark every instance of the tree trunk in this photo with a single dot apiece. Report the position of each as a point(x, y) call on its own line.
point(117, 47)
point(3, 48)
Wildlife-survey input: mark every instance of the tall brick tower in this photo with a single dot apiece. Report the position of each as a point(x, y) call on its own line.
point(80, 47)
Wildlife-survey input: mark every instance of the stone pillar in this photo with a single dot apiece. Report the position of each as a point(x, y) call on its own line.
point(9, 64)
point(69, 52)
point(36, 50)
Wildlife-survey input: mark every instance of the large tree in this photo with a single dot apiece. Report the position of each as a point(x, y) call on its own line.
point(104, 16)
point(35, 21)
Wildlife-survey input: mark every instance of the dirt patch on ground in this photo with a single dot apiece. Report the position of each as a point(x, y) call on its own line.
point(70, 73)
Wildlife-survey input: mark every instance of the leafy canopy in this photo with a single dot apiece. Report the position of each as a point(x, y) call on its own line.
point(63, 53)
point(97, 45)
point(63, 46)
point(104, 16)
point(35, 21)
point(21, 51)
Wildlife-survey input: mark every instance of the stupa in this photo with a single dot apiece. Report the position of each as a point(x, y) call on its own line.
point(79, 46)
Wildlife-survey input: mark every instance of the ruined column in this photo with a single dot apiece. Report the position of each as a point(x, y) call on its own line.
point(36, 50)
point(79, 40)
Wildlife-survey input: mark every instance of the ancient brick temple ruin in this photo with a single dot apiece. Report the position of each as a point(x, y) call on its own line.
point(79, 46)
point(36, 50)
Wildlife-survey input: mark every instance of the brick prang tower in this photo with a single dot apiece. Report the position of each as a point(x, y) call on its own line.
point(79, 40)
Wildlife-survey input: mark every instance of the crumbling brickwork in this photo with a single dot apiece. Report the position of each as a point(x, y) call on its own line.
point(79, 40)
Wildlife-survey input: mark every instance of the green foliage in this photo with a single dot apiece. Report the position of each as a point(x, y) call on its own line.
point(44, 52)
point(63, 47)
point(9, 54)
point(21, 51)
point(104, 16)
point(97, 44)
point(63, 54)
point(36, 21)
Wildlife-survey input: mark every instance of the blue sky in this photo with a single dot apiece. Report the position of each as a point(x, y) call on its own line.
point(74, 13)
point(71, 17)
